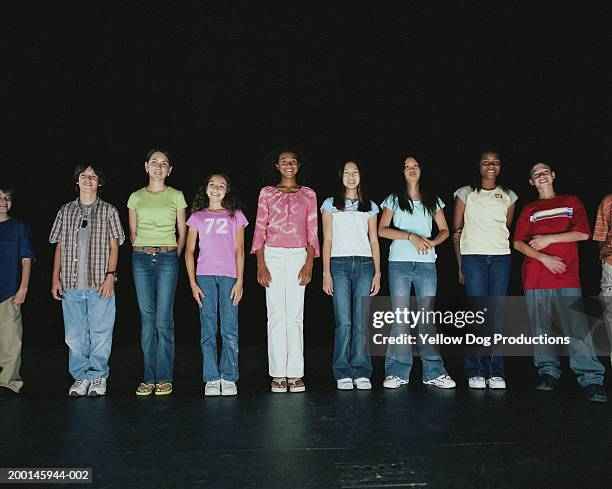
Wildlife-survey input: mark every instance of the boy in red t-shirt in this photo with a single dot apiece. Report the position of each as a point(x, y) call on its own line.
point(547, 232)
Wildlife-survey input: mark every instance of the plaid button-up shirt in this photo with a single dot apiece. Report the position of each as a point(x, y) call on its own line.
point(105, 225)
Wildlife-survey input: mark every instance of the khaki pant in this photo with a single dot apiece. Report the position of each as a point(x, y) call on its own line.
point(11, 331)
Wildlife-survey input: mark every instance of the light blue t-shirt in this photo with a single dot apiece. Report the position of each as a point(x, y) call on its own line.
point(349, 228)
point(418, 222)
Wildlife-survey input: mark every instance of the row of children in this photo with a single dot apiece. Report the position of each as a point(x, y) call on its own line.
point(88, 233)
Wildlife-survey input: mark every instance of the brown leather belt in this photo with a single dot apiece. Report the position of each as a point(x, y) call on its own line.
point(154, 250)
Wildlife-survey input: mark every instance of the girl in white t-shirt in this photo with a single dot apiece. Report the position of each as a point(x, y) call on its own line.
point(412, 208)
point(483, 214)
point(351, 270)
point(217, 282)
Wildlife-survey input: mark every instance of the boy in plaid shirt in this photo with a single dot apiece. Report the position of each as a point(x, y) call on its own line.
point(88, 233)
point(603, 236)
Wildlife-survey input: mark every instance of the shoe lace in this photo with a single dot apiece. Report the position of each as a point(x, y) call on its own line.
point(97, 383)
point(497, 379)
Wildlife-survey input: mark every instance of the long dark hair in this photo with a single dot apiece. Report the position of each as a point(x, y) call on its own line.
point(477, 177)
point(429, 198)
point(340, 195)
point(231, 202)
point(271, 174)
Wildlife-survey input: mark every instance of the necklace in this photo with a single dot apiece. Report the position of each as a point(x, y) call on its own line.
point(156, 192)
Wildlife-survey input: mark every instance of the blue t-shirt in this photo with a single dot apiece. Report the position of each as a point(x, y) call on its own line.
point(15, 245)
point(418, 222)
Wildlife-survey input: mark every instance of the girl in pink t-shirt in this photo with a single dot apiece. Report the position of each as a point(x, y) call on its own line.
point(285, 242)
point(218, 222)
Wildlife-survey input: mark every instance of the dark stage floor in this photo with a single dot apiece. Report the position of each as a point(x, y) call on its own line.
point(414, 437)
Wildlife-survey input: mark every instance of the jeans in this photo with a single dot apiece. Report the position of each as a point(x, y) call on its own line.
point(352, 279)
point(155, 277)
point(606, 298)
point(487, 276)
point(88, 332)
point(402, 274)
point(217, 290)
point(573, 321)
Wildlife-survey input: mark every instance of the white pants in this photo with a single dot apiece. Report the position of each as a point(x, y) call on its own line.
point(285, 303)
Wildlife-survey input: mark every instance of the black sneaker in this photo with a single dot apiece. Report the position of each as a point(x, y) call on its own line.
point(595, 393)
point(547, 383)
point(6, 394)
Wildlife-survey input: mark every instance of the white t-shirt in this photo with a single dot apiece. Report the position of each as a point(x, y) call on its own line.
point(419, 222)
point(484, 221)
point(349, 228)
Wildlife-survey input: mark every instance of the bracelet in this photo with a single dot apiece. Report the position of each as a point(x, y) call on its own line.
point(409, 234)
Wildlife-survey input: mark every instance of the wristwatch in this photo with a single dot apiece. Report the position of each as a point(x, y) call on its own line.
point(113, 273)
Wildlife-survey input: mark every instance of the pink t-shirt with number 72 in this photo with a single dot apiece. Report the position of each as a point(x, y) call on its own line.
point(217, 241)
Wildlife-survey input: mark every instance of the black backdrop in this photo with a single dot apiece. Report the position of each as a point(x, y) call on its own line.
point(220, 85)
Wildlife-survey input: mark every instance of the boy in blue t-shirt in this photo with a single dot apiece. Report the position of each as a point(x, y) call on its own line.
point(16, 258)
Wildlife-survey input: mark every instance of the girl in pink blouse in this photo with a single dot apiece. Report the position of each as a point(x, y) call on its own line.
point(286, 243)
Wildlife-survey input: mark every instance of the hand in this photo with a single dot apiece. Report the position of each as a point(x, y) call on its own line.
point(457, 236)
point(56, 289)
point(422, 245)
point(461, 279)
point(553, 263)
point(19, 297)
point(605, 252)
point(328, 284)
point(107, 288)
point(197, 292)
point(540, 242)
point(263, 275)
point(375, 284)
point(305, 275)
point(236, 293)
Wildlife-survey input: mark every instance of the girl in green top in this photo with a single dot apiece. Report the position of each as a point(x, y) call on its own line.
point(156, 213)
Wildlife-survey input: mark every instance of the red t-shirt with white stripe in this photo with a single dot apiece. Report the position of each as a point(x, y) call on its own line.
point(562, 214)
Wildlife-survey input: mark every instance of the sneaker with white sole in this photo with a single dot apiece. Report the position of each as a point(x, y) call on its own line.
point(212, 388)
point(345, 384)
point(97, 388)
point(79, 388)
point(496, 383)
point(228, 388)
point(363, 384)
point(393, 382)
point(443, 382)
point(477, 383)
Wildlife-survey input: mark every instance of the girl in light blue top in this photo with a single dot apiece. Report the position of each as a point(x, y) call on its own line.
point(412, 260)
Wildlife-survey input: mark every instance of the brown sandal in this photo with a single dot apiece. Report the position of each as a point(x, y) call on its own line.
point(279, 384)
point(296, 385)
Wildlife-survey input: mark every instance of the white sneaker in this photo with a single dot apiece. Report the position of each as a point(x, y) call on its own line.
point(363, 384)
point(477, 383)
point(97, 388)
point(228, 388)
point(443, 382)
point(212, 388)
point(79, 388)
point(393, 382)
point(496, 383)
point(345, 384)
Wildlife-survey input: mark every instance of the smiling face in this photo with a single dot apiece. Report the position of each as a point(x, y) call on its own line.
point(412, 170)
point(158, 166)
point(288, 165)
point(350, 176)
point(216, 189)
point(541, 176)
point(6, 202)
point(88, 181)
point(490, 166)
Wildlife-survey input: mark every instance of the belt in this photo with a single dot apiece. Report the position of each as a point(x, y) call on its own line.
point(153, 250)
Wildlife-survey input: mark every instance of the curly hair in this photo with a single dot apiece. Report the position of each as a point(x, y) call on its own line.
point(477, 177)
point(270, 173)
point(231, 202)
